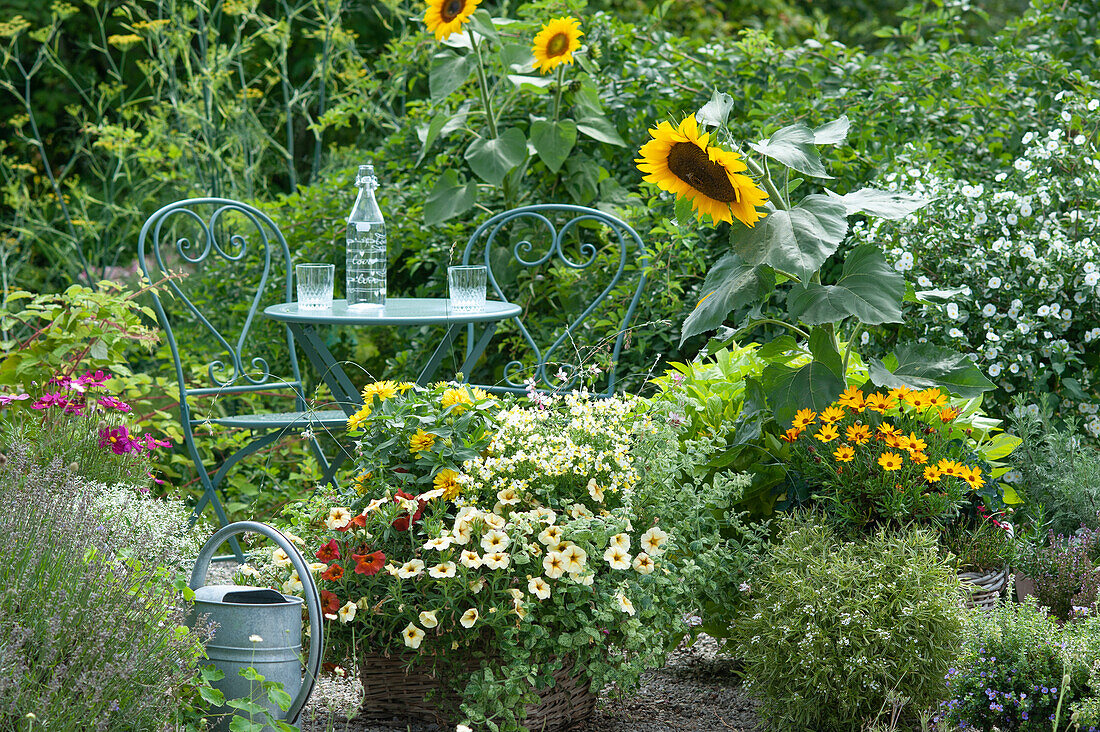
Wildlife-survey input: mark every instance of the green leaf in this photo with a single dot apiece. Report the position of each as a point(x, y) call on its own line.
point(448, 198)
point(715, 112)
point(247, 706)
point(449, 71)
point(796, 241)
point(1010, 496)
point(1000, 447)
point(539, 82)
point(482, 22)
point(813, 385)
point(491, 159)
point(212, 696)
point(441, 124)
point(684, 212)
point(279, 698)
point(868, 288)
point(793, 146)
point(883, 204)
point(600, 129)
point(250, 673)
point(553, 141)
point(833, 133)
point(729, 285)
point(240, 724)
point(780, 350)
point(824, 350)
point(924, 366)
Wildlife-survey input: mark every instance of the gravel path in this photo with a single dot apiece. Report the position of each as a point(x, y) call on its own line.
point(697, 691)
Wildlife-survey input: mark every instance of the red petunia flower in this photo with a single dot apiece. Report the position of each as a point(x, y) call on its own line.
point(369, 564)
point(328, 552)
point(330, 603)
point(359, 521)
point(333, 573)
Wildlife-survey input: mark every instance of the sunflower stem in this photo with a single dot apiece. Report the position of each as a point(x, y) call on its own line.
point(856, 333)
point(776, 197)
point(483, 87)
point(763, 321)
point(557, 97)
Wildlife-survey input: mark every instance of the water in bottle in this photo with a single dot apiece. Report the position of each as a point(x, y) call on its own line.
point(366, 246)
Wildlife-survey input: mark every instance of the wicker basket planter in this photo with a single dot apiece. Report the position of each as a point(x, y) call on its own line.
point(391, 691)
point(983, 588)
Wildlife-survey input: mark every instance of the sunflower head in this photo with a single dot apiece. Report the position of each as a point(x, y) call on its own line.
point(680, 160)
point(556, 43)
point(444, 17)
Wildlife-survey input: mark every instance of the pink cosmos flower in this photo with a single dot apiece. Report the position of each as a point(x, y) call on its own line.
point(6, 399)
point(97, 379)
point(118, 440)
point(46, 401)
point(110, 402)
point(150, 443)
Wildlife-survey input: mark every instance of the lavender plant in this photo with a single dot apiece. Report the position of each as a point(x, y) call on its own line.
point(92, 631)
point(1067, 579)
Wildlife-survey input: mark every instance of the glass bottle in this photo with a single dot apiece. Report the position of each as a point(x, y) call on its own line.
point(366, 246)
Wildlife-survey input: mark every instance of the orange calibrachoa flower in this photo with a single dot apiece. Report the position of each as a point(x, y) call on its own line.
point(831, 414)
point(845, 453)
point(853, 399)
point(804, 418)
point(334, 572)
point(827, 433)
point(890, 461)
point(858, 433)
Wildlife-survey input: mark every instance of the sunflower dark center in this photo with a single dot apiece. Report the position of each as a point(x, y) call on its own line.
point(557, 45)
point(451, 10)
point(690, 163)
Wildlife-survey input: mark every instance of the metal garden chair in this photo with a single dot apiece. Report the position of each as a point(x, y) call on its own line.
point(576, 238)
point(236, 247)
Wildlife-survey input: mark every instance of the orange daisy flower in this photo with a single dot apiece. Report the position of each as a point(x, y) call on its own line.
point(853, 399)
point(827, 433)
point(879, 403)
point(832, 414)
point(858, 433)
point(804, 418)
point(948, 414)
point(932, 474)
point(845, 453)
point(890, 461)
point(791, 434)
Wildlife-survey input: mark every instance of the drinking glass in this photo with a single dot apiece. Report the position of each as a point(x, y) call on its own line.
point(467, 288)
point(315, 285)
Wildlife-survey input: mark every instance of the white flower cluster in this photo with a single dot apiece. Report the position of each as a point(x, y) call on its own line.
point(1023, 243)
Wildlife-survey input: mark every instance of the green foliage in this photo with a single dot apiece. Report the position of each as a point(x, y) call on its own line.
point(835, 632)
point(1017, 667)
point(1055, 469)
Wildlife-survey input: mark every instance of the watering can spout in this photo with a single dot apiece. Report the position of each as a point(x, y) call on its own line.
point(259, 628)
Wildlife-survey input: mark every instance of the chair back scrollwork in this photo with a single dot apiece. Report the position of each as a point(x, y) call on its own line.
point(516, 243)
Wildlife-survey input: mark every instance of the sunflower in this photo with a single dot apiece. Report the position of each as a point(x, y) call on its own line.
point(556, 42)
point(444, 17)
point(679, 160)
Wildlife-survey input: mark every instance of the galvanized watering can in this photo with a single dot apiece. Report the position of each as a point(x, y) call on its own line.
point(260, 628)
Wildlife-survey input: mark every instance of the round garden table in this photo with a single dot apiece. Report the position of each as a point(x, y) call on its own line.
point(400, 312)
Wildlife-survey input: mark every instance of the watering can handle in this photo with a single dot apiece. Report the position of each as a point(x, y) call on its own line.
point(309, 587)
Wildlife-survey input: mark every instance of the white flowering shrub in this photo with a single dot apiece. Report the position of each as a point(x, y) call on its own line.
point(836, 633)
point(1022, 243)
point(131, 516)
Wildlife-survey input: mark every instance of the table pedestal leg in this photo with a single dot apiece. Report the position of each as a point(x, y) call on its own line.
point(343, 391)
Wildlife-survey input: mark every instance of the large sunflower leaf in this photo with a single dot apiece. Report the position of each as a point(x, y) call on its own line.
point(730, 284)
point(833, 133)
point(924, 366)
point(715, 112)
point(883, 204)
point(492, 159)
point(448, 198)
point(794, 147)
point(449, 71)
point(798, 240)
point(868, 288)
point(814, 385)
point(553, 141)
point(599, 128)
point(441, 124)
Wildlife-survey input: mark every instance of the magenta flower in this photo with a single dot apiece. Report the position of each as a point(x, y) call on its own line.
point(150, 443)
point(6, 399)
point(46, 401)
point(97, 379)
point(110, 402)
point(118, 440)
point(74, 408)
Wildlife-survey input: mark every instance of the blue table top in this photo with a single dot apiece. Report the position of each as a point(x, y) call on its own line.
point(397, 311)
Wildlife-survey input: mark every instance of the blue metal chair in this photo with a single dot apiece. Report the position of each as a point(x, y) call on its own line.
point(577, 238)
point(241, 247)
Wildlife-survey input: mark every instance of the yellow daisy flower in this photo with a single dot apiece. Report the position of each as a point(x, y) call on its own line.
point(853, 399)
point(831, 414)
point(827, 433)
point(932, 474)
point(804, 418)
point(890, 461)
point(421, 441)
point(858, 433)
point(447, 480)
point(459, 398)
point(444, 17)
point(679, 160)
point(355, 421)
point(556, 43)
point(382, 389)
point(845, 453)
